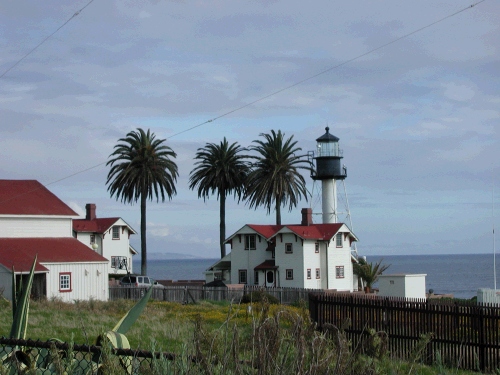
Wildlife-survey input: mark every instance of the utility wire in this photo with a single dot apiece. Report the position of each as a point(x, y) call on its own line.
point(328, 70)
point(44, 40)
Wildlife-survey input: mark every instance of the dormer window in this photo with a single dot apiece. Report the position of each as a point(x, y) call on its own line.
point(116, 232)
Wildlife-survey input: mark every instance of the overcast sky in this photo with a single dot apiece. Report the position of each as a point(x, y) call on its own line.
point(418, 120)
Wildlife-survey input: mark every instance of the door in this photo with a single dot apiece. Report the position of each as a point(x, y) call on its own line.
point(269, 278)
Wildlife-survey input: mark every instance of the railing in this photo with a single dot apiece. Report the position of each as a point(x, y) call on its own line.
point(463, 336)
point(54, 357)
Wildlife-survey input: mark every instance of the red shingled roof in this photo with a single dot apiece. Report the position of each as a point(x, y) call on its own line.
point(95, 226)
point(29, 197)
point(266, 230)
point(20, 252)
point(315, 231)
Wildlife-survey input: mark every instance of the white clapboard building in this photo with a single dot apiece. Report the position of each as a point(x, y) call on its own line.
point(109, 237)
point(34, 222)
point(304, 255)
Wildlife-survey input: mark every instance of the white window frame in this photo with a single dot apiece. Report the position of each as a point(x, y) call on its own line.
point(309, 273)
point(65, 282)
point(318, 273)
point(249, 238)
point(316, 247)
point(288, 248)
point(115, 232)
point(338, 240)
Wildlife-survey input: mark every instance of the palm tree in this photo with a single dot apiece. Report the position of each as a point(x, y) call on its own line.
point(142, 167)
point(275, 179)
point(220, 169)
point(369, 272)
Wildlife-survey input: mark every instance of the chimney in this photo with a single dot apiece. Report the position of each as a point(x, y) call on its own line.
point(90, 207)
point(306, 217)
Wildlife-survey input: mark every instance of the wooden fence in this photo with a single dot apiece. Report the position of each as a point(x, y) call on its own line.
point(187, 294)
point(464, 336)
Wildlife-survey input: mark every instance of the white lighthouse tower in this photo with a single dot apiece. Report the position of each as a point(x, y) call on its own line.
point(329, 170)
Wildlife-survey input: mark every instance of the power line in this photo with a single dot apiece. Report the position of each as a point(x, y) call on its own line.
point(261, 98)
point(45, 39)
point(328, 70)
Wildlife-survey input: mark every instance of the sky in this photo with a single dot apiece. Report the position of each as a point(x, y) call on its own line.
point(418, 120)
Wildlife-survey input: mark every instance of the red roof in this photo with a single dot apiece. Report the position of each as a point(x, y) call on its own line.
point(94, 226)
point(315, 231)
point(30, 197)
point(266, 230)
point(20, 252)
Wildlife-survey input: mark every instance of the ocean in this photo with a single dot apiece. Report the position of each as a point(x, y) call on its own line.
point(461, 275)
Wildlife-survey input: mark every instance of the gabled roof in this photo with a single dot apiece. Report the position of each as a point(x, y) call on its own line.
point(100, 225)
point(30, 197)
point(20, 252)
point(315, 231)
point(266, 231)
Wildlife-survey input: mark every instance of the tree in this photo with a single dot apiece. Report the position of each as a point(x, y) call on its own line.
point(275, 179)
point(142, 168)
point(369, 272)
point(220, 169)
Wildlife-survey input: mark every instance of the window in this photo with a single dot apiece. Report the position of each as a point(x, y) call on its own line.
point(249, 241)
point(339, 239)
point(217, 275)
point(273, 254)
point(308, 273)
point(289, 274)
point(119, 262)
point(316, 247)
point(92, 239)
point(116, 232)
point(288, 248)
point(317, 273)
point(242, 276)
point(339, 272)
point(256, 278)
point(65, 282)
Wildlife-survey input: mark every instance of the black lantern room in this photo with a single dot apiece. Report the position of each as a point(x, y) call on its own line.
point(328, 158)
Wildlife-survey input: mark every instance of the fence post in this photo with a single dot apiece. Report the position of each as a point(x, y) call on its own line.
point(482, 343)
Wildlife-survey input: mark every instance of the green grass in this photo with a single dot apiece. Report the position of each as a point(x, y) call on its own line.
point(220, 334)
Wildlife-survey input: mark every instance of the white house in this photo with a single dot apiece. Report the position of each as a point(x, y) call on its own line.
point(303, 255)
point(33, 221)
point(109, 237)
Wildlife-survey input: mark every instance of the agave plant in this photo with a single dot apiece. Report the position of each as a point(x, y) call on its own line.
point(20, 360)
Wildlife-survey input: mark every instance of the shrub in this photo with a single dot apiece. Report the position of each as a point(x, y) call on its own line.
point(259, 296)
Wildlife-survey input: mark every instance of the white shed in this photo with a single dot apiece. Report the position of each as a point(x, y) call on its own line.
point(402, 285)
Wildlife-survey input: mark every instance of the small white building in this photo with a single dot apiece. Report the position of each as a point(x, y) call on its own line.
point(402, 285)
point(109, 237)
point(33, 221)
point(302, 255)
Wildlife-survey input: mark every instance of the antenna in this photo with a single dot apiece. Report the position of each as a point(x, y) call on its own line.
point(494, 250)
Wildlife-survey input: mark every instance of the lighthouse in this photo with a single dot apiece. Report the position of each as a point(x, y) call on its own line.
point(329, 169)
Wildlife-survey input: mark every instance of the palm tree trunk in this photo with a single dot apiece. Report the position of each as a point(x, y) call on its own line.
point(222, 225)
point(278, 211)
point(144, 266)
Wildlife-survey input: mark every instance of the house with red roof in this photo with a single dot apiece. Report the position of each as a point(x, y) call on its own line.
point(109, 237)
point(36, 223)
point(304, 255)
